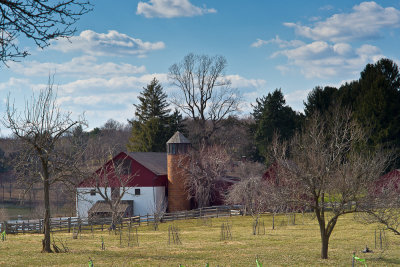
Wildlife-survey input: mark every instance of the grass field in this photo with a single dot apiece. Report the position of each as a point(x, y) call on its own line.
point(287, 245)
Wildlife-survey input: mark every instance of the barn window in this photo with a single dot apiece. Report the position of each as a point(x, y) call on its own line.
point(93, 192)
point(137, 192)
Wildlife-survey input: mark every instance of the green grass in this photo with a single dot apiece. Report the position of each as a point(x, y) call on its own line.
point(293, 245)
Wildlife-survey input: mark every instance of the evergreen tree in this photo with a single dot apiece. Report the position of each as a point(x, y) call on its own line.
point(320, 100)
point(154, 124)
point(271, 114)
point(153, 103)
point(378, 103)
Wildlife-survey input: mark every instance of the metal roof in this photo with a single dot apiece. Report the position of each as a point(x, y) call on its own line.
point(178, 138)
point(154, 161)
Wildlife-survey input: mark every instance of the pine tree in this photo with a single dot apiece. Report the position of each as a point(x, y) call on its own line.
point(377, 106)
point(153, 102)
point(271, 114)
point(153, 125)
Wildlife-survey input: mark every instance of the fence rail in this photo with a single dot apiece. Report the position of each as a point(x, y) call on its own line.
point(70, 224)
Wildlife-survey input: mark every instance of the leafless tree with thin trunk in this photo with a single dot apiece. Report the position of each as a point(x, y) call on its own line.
point(158, 210)
point(250, 191)
point(112, 181)
point(37, 20)
point(326, 167)
point(44, 154)
point(208, 167)
point(206, 95)
point(383, 205)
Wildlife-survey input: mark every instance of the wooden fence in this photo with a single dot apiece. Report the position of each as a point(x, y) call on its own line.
point(70, 224)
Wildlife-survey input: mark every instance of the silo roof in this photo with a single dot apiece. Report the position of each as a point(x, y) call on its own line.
point(178, 138)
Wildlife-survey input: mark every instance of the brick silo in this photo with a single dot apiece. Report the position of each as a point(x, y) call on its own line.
point(177, 157)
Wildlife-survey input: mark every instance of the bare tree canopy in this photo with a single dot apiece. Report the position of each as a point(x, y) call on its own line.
point(44, 153)
point(250, 190)
point(112, 181)
point(383, 205)
point(206, 94)
point(206, 169)
point(326, 167)
point(38, 20)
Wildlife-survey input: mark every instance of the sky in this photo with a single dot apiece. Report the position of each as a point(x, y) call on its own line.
point(121, 45)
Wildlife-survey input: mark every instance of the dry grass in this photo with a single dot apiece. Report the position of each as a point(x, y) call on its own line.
point(293, 245)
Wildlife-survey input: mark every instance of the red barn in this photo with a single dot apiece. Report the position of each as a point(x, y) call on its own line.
point(143, 175)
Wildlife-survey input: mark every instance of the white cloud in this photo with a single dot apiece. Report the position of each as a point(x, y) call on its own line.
point(364, 22)
point(277, 40)
point(85, 66)
point(241, 82)
point(295, 99)
point(327, 7)
point(14, 84)
point(112, 43)
point(101, 98)
point(171, 9)
point(321, 60)
point(117, 83)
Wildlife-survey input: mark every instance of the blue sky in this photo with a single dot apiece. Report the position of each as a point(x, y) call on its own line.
point(121, 45)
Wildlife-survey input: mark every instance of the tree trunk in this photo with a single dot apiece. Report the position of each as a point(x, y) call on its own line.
point(324, 248)
point(46, 222)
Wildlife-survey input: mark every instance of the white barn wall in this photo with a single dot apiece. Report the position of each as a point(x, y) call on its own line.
point(142, 204)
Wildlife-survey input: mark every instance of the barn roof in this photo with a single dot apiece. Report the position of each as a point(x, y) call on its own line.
point(103, 207)
point(154, 161)
point(178, 138)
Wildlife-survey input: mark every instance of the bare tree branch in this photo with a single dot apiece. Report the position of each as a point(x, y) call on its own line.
point(40, 21)
point(45, 153)
point(326, 166)
point(206, 94)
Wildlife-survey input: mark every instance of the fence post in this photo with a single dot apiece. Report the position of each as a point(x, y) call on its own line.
point(23, 227)
point(273, 221)
point(69, 225)
point(147, 216)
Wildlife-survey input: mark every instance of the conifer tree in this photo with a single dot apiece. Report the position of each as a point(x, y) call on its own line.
point(272, 115)
point(153, 124)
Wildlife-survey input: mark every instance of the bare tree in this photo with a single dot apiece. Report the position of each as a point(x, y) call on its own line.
point(250, 191)
point(159, 209)
point(43, 155)
point(112, 181)
point(383, 205)
point(40, 21)
point(206, 170)
point(205, 95)
point(325, 168)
